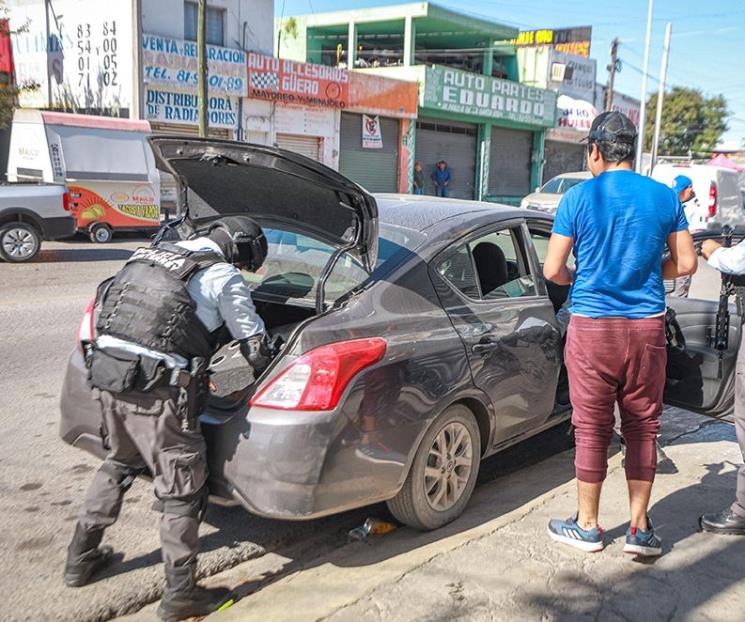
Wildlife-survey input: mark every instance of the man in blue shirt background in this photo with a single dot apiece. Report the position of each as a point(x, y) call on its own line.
point(617, 225)
point(441, 178)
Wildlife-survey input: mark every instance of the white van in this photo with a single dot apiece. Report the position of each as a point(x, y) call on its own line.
point(106, 163)
point(717, 190)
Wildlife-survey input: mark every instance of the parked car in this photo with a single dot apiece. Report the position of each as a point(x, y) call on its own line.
point(547, 197)
point(105, 162)
point(415, 336)
point(716, 188)
point(30, 213)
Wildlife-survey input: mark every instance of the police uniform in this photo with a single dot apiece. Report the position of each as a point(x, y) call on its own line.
point(159, 320)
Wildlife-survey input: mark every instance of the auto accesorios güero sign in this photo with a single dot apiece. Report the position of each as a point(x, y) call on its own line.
point(289, 82)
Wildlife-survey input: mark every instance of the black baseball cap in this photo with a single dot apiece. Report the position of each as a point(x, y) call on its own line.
point(612, 127)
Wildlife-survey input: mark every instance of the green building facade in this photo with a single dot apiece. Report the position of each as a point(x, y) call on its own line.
point(473, 112)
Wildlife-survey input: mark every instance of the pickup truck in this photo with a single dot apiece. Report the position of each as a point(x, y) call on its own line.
point(30, 213)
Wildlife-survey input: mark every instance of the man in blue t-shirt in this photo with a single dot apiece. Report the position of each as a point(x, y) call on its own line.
point(617, 225)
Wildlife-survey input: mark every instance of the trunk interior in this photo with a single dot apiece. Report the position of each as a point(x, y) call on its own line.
point(231, 375)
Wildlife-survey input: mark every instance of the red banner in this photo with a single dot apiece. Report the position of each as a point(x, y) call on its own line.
point(6, 51)
point(288, 82)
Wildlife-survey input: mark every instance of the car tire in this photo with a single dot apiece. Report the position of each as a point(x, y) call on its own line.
point(100, 233)
point(19, 242)
point(420, 503)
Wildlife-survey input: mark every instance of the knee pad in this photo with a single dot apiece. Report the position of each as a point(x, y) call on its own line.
point(123, 476)
point(193, 506)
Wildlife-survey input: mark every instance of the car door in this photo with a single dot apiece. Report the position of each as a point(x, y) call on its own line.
point(488, 286)
point(701, 378)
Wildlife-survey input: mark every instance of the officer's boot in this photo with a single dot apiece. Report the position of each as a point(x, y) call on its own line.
point(85, 557)
point(183, 598)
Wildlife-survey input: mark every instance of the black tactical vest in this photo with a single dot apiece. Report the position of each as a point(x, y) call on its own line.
point(147, 302)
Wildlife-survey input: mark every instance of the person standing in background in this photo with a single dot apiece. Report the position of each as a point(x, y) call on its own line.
point(441, 178)
point(418, 178)
point(697, 217)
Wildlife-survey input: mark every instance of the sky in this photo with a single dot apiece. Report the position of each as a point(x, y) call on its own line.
point(707, 50)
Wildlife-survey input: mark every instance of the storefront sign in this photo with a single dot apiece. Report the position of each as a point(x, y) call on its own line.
point(87, 54)
point(629, 106)
point(466, 93)
point(381, 95)
point(288, 82)
point(575, 114)
point(575, 41)
point(572, 75)
point(171, 107)
point(372, 137)
point(172, 63)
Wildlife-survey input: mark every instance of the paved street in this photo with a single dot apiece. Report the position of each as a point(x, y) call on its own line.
point(42, 479)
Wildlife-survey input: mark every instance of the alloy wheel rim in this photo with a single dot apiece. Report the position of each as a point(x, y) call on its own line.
point(449, 466)
point(101, 234)
point(19, 243)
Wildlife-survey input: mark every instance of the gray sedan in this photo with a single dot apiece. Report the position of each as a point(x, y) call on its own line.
point(414, 337)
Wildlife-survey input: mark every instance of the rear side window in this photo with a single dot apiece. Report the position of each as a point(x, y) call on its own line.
point(490, 267)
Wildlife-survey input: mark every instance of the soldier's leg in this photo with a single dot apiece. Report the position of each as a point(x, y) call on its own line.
point(181, 487)
point(103, 501)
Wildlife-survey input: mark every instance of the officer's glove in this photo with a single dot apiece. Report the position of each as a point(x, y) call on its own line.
point(257, 352)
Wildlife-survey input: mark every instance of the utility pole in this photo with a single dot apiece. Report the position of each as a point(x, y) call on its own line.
point(612, 68)
point(202, 68)
point(137, 105)
point(661, 94)
point(645, 74)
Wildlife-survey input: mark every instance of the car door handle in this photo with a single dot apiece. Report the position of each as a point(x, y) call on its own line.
point(484, 347)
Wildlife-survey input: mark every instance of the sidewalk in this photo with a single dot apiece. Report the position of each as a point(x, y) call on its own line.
point(497, 563)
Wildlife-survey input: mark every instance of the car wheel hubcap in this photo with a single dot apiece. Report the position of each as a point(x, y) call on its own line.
point(448, 467)
point(19, 243)
point(102, 235)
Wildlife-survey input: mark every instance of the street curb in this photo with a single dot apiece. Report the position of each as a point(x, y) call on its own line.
point(344, 576)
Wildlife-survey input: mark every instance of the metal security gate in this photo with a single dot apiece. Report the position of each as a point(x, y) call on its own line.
point(456, 144)
point(376, 170)
point(561, 158)
point(509, 162)
point(309, 146)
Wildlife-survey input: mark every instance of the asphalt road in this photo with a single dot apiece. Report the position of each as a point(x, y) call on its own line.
point(42, 480)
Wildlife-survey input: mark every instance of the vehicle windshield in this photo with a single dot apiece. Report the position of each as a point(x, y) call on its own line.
point(294, 264)
point(559, 185)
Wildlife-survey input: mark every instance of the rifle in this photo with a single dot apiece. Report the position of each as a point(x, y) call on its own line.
point(721, 335)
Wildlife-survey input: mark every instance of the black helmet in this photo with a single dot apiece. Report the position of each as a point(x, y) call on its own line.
point(241, 240)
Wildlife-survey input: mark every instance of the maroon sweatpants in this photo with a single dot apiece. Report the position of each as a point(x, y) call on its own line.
point(616, 360)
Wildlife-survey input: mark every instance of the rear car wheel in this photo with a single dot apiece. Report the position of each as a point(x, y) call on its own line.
point(19, 242)
point(101, 233)
point(443, 474)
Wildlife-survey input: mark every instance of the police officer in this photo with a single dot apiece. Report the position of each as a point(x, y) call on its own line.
point(158, 321)
point(731, 521)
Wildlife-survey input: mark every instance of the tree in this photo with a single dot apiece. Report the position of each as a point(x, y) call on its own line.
point(691, 122)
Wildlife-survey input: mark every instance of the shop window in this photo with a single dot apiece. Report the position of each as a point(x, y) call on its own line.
point(215, 29)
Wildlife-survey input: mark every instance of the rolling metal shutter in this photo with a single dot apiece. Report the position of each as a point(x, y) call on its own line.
point(376, 170)
point(456, 144)
point(509, 162)
point(190, 130)
point(309, 146)
point(562, 158)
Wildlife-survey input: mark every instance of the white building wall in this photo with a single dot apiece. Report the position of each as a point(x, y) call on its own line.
point(248, 23)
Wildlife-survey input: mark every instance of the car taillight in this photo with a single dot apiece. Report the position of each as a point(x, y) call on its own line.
point(712, 199)
point(317, 380)
point(66, 201)
point(86, 330)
